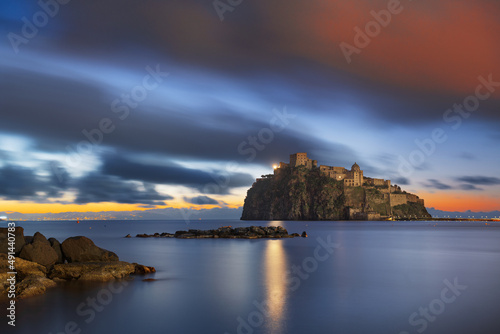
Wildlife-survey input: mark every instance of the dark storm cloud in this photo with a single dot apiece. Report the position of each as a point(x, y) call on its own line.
point(435, 184)
point(480, 180)
point(59, 176)
point(56, 111)
point(308, 61)
point(20, 183)
point(201, 200)
point(95, 188)
point(173, 174)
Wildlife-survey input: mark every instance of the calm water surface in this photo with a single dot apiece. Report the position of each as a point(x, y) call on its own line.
point(347, 277)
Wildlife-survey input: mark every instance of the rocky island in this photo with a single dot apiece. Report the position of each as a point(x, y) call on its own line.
point(302, 190)
point(227, 232)
point(41, 263)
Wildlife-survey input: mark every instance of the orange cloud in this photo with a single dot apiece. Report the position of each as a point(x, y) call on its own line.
point(438, 46)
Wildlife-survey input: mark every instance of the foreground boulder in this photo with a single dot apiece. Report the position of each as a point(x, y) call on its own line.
point(82, 249)
point(92, 271)
point(33, 285)
point(41, 265)
point(143, 270)
point(4, 239)
point(25, 268)
point(31, 277)
point(227, 232)
point(56, 246)
point(39, 251)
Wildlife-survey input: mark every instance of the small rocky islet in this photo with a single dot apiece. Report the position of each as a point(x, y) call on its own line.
point(41, 263)
point(228, 232)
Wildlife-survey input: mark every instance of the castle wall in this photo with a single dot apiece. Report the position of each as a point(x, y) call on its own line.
point(398, 199)
point(385, 190)
point(357, 214)
point(301, 159)
point(377, 182)
point(354, 178)
point(412, 198)
point(283, 165)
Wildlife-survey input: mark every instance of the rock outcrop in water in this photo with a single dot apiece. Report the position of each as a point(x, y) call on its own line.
point(41, 263)
point(227, 232)
point(301, 193)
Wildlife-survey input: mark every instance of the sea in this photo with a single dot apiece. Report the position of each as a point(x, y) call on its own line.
point(345, 277)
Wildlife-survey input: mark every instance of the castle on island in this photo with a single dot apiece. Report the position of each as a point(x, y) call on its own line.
point(353, 178)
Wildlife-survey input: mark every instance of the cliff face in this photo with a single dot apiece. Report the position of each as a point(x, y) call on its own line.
point(295, 194)
point(307, 194)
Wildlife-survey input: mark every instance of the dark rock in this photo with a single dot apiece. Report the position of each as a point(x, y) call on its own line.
point(19, 240)
point(24, 268)
point(304, 234)
point(39, 237)
point(143, 270)
point(28, 239)
point(179, 233)
point(258, 230)
point(82, 249)
point(185, 236)
point(56, 245)
point(149, 280)
point(33, 285)
point(128, 236)
point(39, 251)
point(252, 232)
point(92, 271)
point(32, 276)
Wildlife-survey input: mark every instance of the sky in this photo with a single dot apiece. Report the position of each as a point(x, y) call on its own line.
point(126, 105)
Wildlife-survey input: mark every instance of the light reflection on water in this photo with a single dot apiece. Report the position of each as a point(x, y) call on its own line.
point(276, 288)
